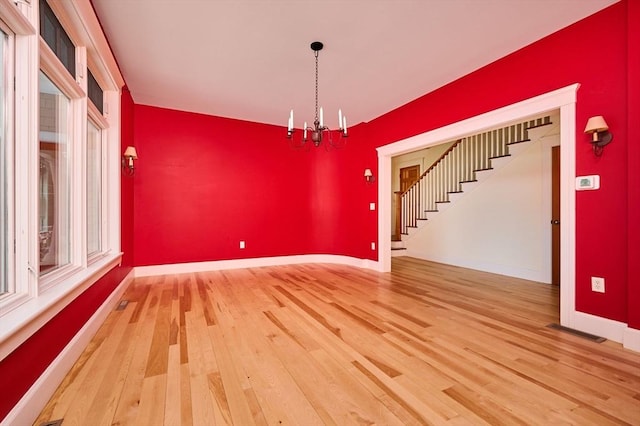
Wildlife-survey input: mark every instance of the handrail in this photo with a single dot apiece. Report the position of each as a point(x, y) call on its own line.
point(444, 154)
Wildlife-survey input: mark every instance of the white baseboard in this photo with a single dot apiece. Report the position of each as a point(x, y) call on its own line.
point(33, 401)
point(592, 324)
point(508, 270)
point(631, 339)
point(216, 265)
point(610, 329)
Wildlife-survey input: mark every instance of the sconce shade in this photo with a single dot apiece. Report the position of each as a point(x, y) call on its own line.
point(596, 124)
point(600, 135)
point(130, 152)
point(368, 176)
point(129, 155)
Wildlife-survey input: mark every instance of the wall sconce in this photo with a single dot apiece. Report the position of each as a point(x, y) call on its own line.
point(600, 131)
point(368, 176)
point(129, 155)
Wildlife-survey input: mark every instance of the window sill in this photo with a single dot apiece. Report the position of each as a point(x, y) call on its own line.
point(23, 321)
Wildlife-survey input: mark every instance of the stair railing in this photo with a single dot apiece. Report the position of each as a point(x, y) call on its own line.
point(455, 166)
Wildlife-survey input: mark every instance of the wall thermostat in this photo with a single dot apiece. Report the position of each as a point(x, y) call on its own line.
point(587, 183)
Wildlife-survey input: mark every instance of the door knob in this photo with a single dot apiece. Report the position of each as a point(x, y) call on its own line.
point(555, 222)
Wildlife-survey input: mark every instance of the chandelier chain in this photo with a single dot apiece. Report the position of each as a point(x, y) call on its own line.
point(316, 54)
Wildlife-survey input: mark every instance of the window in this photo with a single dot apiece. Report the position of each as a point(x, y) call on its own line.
point(94, 189)
point(54, 209)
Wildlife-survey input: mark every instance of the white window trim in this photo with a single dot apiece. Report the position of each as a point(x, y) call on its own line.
point(20, 323)
point(96, 118)
point(21, 124)
point(9, 67)
point(60, 77)
point(38, 305)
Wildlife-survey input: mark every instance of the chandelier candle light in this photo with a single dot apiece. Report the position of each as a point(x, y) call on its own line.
point(318, 123)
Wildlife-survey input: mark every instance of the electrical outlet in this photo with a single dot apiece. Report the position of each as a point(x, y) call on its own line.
point(241, 244)
point(373, 246)
point(372, 206)
point(597, 284)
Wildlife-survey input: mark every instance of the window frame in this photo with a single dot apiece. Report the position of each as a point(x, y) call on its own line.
point(8, 64)
point(20, 122)
point(24, 312)
point(96, 118)
point(55, 71)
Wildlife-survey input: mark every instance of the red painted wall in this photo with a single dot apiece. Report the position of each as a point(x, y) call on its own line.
point(633, 143)
point(205, 183)
point(343, 224)
point(561, 59)
point(126, 182)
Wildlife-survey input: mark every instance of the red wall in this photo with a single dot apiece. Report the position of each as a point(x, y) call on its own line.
point(561, 59)
point(633, 143)
point(205, 183)
point(126, 182)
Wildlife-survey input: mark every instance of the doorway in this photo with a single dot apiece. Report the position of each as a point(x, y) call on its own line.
point(563, 99)
point(408, 175)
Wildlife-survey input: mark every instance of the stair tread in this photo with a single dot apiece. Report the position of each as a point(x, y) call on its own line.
point(517, 142)
point(500, 156)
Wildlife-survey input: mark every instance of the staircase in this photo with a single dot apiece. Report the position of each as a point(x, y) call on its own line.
point(434, 189)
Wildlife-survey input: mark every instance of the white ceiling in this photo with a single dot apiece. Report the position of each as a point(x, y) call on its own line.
point(251, 60)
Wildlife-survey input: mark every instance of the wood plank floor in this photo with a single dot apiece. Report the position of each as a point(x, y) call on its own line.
point(327, 344)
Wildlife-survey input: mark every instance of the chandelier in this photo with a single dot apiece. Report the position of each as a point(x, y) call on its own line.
point(318, 132)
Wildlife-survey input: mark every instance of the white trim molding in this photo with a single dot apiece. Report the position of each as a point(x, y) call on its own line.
point(216, 265)
point(34, 400)
point(23, 321)
point(631, 339)
point(609, 329)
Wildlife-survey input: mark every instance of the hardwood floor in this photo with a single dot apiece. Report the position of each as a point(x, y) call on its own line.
point(327, 344)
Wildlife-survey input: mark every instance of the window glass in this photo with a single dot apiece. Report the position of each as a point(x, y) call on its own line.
point(94, 188)
point(4, 208)
point(54, 180)
point(56, 38)
point(94, 91)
